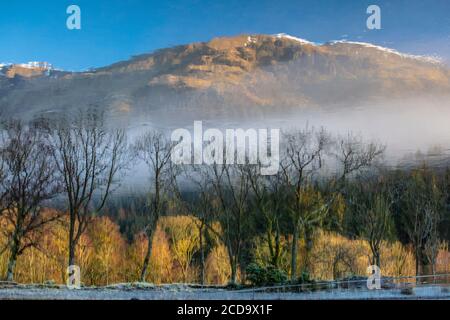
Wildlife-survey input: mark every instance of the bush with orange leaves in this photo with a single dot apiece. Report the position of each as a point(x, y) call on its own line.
point(99, 254)
point(218, 269)
point(336, 257)
point(161, 261)
point(184, 244)
point(105, 251)
point(44, 260)
point(105, 257)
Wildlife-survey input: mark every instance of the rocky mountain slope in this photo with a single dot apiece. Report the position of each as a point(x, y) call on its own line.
point(233, 74)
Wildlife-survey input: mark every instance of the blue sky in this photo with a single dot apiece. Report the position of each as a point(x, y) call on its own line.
point(114, 30)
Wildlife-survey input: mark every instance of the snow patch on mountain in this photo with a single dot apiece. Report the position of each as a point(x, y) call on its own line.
point(286, 36)
point(3, 66)
point(36, 64)
point(430, 59)
point(29, 65)
point(44, 67)
point(424, 58)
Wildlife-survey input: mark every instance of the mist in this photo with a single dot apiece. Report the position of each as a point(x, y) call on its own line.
point(414, 131)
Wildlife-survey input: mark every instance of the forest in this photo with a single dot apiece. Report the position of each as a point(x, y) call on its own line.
point(334, 208)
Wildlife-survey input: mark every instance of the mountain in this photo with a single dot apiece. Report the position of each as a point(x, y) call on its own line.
point(242, 74)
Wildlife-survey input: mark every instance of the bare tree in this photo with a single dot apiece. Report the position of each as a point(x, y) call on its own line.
point(432, 245)
point(354, 155)
point(223, 192)
point(27, 180)
point(269, 196)
point(420, 208)
point(231, 188)
point(201, 206)
point(88, 158)
point(371, 204)
point(155, 150)
point(303, 159)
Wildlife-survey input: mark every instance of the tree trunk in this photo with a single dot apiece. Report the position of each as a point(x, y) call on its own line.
point(14, 250)
point(233, 265)
point(308, 249)
point(233, 279)
point(294, 255)
point(424, 265)
point(72, 243)
point(417, 264)
point(202, 256)
point(421, 264)
point(375, 256)
point(147, 255)
point(12, 261)
point(377, 260)
point(276, 258)
point(72, 253)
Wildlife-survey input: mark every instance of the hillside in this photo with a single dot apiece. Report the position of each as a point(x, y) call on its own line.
point(247, 72)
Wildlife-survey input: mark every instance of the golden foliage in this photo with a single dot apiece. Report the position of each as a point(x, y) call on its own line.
point(105, 257)
point(334, 257)
point(218, 266)
point(184, 243)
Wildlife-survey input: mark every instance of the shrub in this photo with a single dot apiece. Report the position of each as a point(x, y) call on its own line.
point(259, 275)
point(304, 278)
point(409, 291)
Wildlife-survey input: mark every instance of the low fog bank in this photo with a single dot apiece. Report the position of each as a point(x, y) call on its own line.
point(413, 131)
point(417, 129)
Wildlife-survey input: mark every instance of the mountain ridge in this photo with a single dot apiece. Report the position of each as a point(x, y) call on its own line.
point(245, 71)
